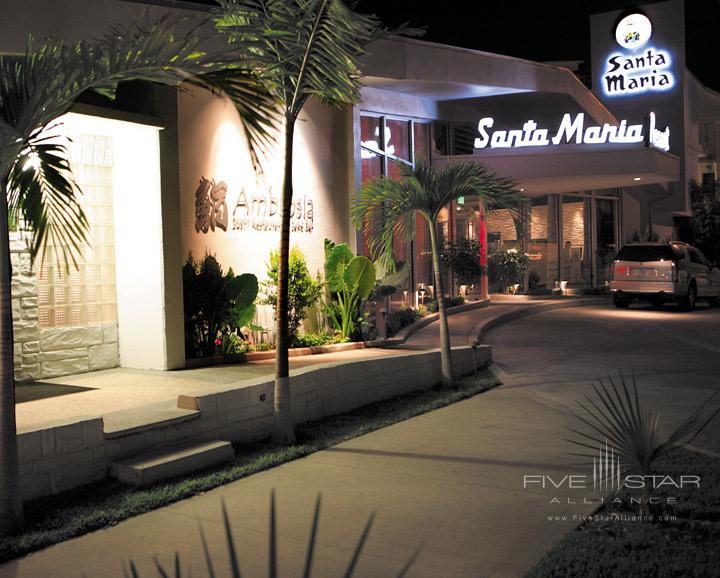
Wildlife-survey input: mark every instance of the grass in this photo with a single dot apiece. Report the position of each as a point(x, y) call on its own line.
point(57, 518)
point(688, 546)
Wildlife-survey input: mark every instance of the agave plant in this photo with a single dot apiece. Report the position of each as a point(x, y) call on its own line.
point(617, 418)
point(234, 570)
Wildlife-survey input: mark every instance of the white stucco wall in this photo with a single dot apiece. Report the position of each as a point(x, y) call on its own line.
point(212, 145)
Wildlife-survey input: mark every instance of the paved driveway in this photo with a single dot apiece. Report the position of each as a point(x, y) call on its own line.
point(451, 480)
point(675, 356)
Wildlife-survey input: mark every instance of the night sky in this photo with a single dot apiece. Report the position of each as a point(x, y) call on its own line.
point(541, 30)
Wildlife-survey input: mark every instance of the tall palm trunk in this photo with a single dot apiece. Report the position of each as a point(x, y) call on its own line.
point(283, 431)
point(445, 355)
point(11, 513)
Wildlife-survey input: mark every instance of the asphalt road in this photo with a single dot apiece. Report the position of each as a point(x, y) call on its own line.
point(675, 356)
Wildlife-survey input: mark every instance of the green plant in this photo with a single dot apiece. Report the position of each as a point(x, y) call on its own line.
point(506, 268)
point(304, 49)
point(231, 344)
point(449, 302)
point(463, 258)
point(318, 339)
point(386, 209)
point(216, 305)
point(303, 290)
point(390, 280)
point(399, 319)
point(350, 280)
point(616, 417)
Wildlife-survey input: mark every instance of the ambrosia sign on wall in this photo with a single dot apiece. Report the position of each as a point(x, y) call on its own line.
point(572, 130)
point(636, 71)
point(256, 212)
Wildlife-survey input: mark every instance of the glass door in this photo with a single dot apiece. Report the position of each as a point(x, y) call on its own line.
point(605, 238)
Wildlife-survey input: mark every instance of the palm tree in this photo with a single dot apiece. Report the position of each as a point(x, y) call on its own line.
point(35, 176)
point(384, 208)
point(309, 48)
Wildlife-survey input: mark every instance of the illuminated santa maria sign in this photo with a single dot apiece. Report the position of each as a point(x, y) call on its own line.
point(641, 68)
point(572, 130)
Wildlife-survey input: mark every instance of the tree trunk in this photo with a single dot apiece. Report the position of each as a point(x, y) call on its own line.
point(11, 510)
point(445, 355)
point(283, 432)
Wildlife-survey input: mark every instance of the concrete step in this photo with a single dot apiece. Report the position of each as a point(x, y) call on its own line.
point(147, 469)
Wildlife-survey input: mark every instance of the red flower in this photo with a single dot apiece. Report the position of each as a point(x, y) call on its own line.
point(218, 342)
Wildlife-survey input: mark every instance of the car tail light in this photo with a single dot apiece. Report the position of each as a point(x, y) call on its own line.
point(674, 273)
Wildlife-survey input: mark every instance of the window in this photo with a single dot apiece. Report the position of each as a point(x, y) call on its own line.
point(85, 295)
point(386, 145)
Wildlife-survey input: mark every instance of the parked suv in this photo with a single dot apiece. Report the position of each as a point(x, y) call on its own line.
point(660, 272)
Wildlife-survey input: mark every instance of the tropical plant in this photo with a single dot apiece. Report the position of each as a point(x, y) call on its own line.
point(38, 190)
point(303, 290)
point(234, 559)
point(389, 281)
point(385, 208)
point(704, 226)
point(308, 48)
point(506, 268)
point(216, 304)
point(617, 418)
point(350, 280)
point(463, 258)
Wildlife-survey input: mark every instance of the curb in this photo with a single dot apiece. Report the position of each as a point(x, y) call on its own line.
point(403, 335)
point(484, 327)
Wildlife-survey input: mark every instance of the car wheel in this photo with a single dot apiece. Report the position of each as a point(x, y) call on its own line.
point(713, 301)
point(621, 302)
point(687, 303)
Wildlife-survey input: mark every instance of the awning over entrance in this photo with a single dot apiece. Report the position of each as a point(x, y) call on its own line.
point(447, 73)
point(575, 168)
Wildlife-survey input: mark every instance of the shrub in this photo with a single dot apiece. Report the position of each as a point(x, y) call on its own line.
point(318, 339)
point(303, 290)
point(463, 258)
point(399, 319)
point(506, 268)
point(216, 305)
point(449, 302)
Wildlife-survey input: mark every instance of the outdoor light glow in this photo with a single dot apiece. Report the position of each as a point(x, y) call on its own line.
point(33, 162)
point(633, 31)
point(636, 179)
point(571, 130)
point(631, 74)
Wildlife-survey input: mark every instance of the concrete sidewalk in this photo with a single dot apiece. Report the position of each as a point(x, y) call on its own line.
point(450, 480)
point(127, 398)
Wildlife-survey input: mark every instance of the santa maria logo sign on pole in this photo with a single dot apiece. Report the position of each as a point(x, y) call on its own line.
point(633, 31)
point(636, 71)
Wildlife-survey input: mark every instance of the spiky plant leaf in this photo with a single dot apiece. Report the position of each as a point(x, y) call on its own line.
point(616, 416)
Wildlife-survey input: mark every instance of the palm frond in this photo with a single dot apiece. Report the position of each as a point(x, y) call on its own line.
point(617, 416)
point(42, 85)
point(306, 47)
point(43, 194)
point(385, 207)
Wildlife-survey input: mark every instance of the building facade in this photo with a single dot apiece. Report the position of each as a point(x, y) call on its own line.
point(167, 174)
